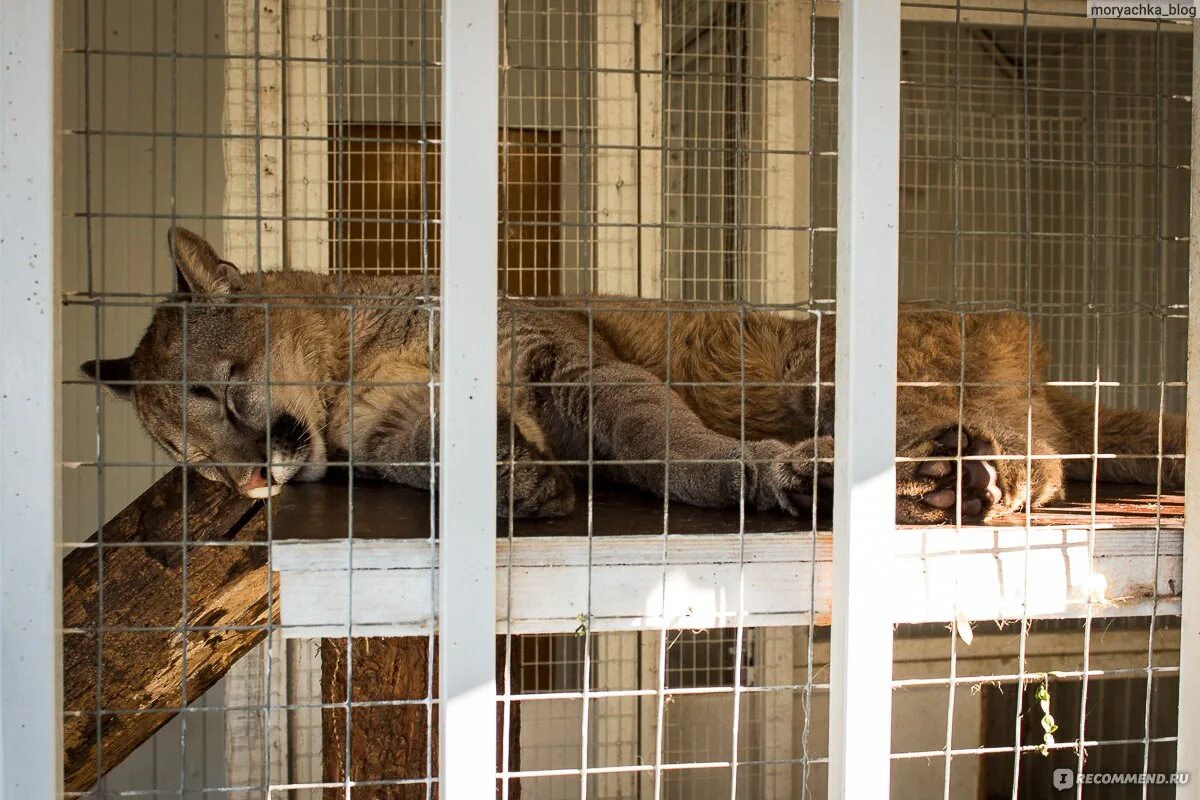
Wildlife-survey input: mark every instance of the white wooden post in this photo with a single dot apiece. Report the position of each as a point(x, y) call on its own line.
point(616, 131)
point(787, 131)
point(276, 165)
point(865, 426)
point(467, 500)
point(778, 664)
point(30, 698)
point(276, 156)
point(650, 88)
point(305, 125)
point(253, 149)
point(1188, 752)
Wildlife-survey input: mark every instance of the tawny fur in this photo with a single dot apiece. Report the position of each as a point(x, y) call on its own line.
point(706, 403)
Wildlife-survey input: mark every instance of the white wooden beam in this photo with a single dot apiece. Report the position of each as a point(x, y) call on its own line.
point(1188, 752)
point(616, 134)
point(650, 139)
point(306, 126)
point(393, 580)
point(253, 143)
point(778, 665)
point(467, 500)
point(30, 525)
point(865, 421)
point(787, 131)
point(266, 99)
point(256, 722)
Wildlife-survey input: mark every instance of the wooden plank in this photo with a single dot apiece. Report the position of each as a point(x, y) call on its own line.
point(386, 742)
point(650, 141)
point(124, 622)
point(786, 123)
point(301, 193)
point(253, 148)
point(392, 592)
point(390, 741)
point(616, 131)
point(387, 511)
point(778, 711)
point(305, 123)
point(256, 742)
point(864, 472)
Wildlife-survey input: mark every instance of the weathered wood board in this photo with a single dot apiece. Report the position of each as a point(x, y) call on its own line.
point(392, 745)
point(126, 671)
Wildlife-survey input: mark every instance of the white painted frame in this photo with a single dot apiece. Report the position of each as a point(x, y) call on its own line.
point(650, 103)
point(864, 522)
point(467, 426)
point(276, 117)
point(1188, 747)
point(616, 127)
point(711, 580)
point(30, 534)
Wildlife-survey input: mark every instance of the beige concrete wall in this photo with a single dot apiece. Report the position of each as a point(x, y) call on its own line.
point(139, 175)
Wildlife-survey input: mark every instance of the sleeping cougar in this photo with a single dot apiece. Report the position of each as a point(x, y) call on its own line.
point(579, 384)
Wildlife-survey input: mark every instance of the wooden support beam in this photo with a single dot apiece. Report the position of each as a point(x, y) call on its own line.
point(125, 621)
point(391, 742)
point(123, 613)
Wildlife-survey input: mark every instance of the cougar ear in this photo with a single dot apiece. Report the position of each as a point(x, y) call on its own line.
point(108, 370)
point(201, 271)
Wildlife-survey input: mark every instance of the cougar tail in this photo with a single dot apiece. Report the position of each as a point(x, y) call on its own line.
point(1127, 445)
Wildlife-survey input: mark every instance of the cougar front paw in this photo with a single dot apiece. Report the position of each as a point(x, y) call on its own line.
point(528, 482)
point(792, 478)
point(932, 490)
point(534, 490)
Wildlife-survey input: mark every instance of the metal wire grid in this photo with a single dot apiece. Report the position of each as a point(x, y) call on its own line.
point(705, 248)
point(962, 114)
point(701, 196)
point(363, 85)
point(1060, 187)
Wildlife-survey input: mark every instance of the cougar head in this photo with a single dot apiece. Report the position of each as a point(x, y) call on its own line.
point(216, 387)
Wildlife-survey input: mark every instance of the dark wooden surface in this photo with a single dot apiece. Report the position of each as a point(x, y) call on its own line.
point(1116, 505)
point(393, 742)
point(327, 510)
point(133, 645)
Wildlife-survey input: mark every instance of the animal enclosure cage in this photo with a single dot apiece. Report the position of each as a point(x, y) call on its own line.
point(321, 642)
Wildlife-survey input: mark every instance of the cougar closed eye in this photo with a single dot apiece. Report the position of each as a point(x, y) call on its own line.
point(203, 392)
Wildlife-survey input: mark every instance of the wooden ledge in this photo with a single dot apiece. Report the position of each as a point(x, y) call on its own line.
point(331, 509)
point(1126, 560)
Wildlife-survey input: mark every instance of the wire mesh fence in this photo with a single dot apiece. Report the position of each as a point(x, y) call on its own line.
point(263, 624)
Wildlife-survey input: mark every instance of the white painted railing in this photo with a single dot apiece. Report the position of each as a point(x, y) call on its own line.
point(30, 698)
point(865, 424)
point(467, 427)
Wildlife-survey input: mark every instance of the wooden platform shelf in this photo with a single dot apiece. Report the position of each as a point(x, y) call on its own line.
point(711, 568)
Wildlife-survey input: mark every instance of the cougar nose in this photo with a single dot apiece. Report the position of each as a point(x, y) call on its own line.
point(258, 485)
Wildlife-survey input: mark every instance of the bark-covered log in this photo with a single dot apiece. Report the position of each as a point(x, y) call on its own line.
point(134, 642)
point(391, 742)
